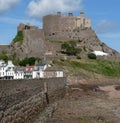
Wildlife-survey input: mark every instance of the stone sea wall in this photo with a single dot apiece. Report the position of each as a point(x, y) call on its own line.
point(22, 100)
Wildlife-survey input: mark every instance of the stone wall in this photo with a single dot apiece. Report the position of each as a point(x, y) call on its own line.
point(22, 100)
point(63, 27)
point(32, 46)
point(22, 27)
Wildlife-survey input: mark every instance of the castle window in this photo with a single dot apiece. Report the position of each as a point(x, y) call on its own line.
point(27, 27)
point(53, 33)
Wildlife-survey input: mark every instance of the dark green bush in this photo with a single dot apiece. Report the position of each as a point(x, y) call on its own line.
point(29, 61)
point(92, 56)
point(70, 48)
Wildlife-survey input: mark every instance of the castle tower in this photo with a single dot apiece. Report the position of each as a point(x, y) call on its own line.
point(81, 14)
point(61, 27)
point(80, 20)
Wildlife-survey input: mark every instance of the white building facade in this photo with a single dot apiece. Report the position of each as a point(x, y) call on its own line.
point(9, 71)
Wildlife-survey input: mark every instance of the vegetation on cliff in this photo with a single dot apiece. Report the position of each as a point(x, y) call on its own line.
point(4, 56)
point(19, 37)
point(92, 56)
point(29, 61)
point(89, 66)
point(70, 48)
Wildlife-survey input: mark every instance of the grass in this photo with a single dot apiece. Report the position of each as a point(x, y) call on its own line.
point(19, 37)
point(103, 67)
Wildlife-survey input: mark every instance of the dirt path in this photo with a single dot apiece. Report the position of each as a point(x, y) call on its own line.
point(88, 105)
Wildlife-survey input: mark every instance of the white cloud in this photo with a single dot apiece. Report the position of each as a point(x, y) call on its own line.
point(7, 4)
point(105, 26)
point(39, 8)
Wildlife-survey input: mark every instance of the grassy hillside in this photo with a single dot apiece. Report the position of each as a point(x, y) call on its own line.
point(90, 67)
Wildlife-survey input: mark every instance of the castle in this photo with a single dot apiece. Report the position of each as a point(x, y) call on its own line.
point(56, 26)
point(57, 29)
point(22, 27)
point(64, 27)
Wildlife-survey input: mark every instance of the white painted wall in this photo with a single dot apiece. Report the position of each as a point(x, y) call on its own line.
point(59, 73)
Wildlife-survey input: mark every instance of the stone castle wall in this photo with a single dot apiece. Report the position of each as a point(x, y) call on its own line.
point(22, 100)
point(22, 27)
point(63, 27)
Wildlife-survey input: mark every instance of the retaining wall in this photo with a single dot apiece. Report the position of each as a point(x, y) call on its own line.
point(22, 100)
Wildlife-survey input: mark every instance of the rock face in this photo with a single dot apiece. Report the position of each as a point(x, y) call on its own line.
point(56, 29)
point(33, 44)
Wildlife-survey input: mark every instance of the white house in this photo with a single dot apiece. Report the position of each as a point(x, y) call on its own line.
point(19, 73)
point(59, 73)
point(53, 72)
point(39, 70)
point(9, 71)
point(6, 70)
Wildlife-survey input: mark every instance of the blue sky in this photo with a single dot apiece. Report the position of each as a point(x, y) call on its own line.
point(104, 14)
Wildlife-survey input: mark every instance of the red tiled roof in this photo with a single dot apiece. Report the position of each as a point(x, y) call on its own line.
point(29, 68)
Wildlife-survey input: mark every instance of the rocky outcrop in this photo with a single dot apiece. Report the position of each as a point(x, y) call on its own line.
point(32, 46)
point(35, 44)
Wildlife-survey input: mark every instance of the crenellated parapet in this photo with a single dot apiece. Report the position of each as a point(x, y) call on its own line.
point(22, 27)
point(57, 26)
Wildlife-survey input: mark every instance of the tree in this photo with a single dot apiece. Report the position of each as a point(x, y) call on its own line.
point(70, 48)
point(30, 61)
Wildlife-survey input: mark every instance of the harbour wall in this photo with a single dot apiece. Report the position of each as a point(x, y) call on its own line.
point(21, 101)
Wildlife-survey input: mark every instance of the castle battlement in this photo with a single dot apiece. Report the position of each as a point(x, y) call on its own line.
point(22, 27)
point(57, 26)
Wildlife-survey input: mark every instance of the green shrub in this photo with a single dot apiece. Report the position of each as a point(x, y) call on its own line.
point(4, 56)
point(92, 56)
point(30, 61)
point(19, 37)
point(70, 48)
point(85, 48)
point(78, 57)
